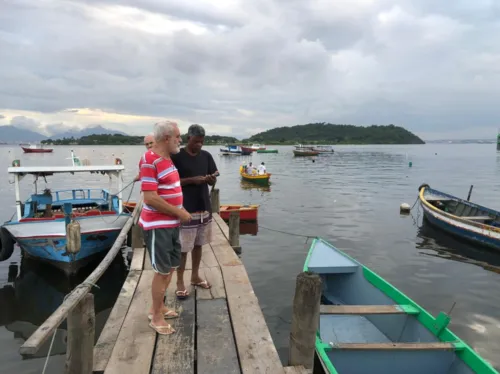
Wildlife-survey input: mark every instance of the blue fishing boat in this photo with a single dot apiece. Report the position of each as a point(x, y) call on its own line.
point(40, 223)
point(369, 326)
point(234, 150)
point(461, 218)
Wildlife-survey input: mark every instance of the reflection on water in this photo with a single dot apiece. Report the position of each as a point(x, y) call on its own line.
point(36, 290)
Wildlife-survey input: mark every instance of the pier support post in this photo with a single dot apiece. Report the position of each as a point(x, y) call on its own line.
point(234, 231)
point(305, 319)
point(81, 331)
point(215, 199)
point(137, 237)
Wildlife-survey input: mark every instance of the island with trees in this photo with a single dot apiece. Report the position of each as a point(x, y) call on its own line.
point(327, 133)
point(119, 139)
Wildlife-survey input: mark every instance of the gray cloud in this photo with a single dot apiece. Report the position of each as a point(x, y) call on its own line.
point(428, 67)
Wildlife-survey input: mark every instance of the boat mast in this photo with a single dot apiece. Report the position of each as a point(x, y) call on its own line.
point(18, 196)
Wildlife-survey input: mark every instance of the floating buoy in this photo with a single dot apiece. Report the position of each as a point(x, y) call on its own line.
point(410, 164)
point(404, 208)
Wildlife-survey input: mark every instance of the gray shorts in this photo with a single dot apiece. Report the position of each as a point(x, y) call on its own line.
point(164, 249)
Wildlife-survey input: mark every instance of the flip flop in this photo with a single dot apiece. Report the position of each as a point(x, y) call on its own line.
point(161, 329)
point(181, 295)
point(204, 284)
point(167, 315)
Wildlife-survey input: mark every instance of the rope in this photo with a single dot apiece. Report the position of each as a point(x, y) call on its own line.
point(86, 283)
point(288, 233)
point(415, 203)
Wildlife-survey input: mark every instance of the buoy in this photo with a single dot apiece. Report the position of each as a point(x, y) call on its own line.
point(404, 208)
point(410, 164)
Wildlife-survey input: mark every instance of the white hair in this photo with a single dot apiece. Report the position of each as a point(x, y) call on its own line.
point(164, 128)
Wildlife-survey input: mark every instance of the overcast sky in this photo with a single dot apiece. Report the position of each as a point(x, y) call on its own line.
point(240, 67)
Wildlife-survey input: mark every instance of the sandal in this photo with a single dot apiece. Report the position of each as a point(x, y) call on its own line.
point(204, 284)
point(167, 315)
point(181, 295)
point(161, 329)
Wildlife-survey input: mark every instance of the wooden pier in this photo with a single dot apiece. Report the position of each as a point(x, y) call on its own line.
point(220, 330)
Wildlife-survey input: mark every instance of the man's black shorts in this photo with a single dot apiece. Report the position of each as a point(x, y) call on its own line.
point(164, 249)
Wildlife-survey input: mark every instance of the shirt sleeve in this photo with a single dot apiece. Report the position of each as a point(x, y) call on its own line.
point(149, 176)
point(212, 168)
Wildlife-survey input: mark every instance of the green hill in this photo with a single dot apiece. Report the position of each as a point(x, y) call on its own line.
point(119, 139)
point(327, 133)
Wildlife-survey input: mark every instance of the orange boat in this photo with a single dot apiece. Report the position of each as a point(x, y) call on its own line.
point(247, 212)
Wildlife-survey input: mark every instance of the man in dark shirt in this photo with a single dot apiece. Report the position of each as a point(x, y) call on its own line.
point(197, 170)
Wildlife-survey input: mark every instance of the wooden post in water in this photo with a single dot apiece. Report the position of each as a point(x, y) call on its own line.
point(234, 231)
point(81, 331)
point(305, 319)
point(215, 199)
point(470, 192)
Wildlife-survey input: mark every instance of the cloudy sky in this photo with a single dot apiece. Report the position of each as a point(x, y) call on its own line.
point(240, 67)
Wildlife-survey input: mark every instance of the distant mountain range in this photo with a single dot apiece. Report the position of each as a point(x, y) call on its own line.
point(13, 134)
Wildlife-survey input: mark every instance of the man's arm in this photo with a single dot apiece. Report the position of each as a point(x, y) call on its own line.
point(152, 199)
point(193, 180)
point(212, 169)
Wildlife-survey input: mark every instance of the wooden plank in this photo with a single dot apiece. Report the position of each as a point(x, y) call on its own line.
point(225, 255)
point(175, 353)
point(368, 309)
point(137, 258)
point(214, 277)
point(216, 350)
point(224, 228)
point(396, 346)
point(133, 350)
point(147, 261)
point(477, 218)
point(297, 370)
point(255, 346)
point(109, 334)
point(46, 329)
point(208, 259)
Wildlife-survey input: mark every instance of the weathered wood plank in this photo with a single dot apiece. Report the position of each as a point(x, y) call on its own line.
point(224, 228)
point(297, 370)
point(137, 262)
point(137, 236)
point(367, 309)
point(175, 353)
point(214, 277)
point(147, 261)
point(109, 334)
point(81, 332)
point(208, 259)
point(216, 350)
point(133, 351)
point(396, 346)
point(225, 255)
point(255, 346)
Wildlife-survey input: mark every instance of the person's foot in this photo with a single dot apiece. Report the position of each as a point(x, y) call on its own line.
point(166, 312)
point(181, 292)
point(160, 326)
point(197, 281)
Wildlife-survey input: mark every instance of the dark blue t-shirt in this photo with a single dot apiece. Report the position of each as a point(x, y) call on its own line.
point(196, 196)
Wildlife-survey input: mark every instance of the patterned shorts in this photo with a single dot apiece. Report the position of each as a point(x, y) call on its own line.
point(198, 232)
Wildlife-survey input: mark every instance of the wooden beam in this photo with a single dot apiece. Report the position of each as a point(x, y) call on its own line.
point(234, 231)
point(81, 332)
point(46, 329)
point(215, 200)
point(396, 346)
point(368, 309)
point(137, 262)
point(214, 276)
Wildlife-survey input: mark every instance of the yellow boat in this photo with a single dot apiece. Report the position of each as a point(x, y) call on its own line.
point(255, 178)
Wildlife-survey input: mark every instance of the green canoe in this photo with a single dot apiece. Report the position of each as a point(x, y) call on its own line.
point(367, 326)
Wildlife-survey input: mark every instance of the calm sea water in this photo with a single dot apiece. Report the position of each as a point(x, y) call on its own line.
point(350, 198)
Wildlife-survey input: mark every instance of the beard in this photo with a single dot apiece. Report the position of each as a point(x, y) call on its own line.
point(174, 149)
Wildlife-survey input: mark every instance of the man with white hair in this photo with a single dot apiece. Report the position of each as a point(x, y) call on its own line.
point(161, 216)
point(149, 141)
point(197, 170)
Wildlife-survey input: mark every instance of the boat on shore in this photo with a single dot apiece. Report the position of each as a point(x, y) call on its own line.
point(35, 148)
point(367, 325)
point(247, 212)
point(262, 179)
point(40, 225)
point(461, 218)
point(305, 152)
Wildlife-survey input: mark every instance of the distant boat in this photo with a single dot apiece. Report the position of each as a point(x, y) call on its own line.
point(257, 146)
point(305, 152)
point(234, 150)
point(367, 325)
point(266, 151)
point(247, 212)
point(315, 148)
point(34, 148)
point(461, 218)
point(262, 179)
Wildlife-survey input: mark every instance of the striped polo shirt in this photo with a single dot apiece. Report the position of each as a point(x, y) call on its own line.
point(160, 175)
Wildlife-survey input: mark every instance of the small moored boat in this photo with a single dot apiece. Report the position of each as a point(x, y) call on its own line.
point(262, 179)
point(33, 148)
point(305, 152)
point(267, 151)
point(247, 212)
point(40, 226)
point(368, 326)
point(461, 218)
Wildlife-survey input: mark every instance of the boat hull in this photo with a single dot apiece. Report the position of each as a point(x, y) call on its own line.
point(474, 232)
point(46, 241)
point(37, 150)
point(263, 180)
point(372, 327)
point(305, 153)
point(267, 151)
point(247, 212)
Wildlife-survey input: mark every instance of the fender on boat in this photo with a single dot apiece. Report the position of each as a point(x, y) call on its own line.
point(6, 244)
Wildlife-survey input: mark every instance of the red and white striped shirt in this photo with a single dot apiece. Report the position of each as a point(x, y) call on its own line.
point(160, 175)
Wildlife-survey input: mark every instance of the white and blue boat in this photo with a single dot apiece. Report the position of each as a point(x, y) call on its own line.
point(40, 223)
point(461, 218)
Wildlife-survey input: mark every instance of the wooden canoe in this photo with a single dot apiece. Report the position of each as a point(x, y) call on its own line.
point(247, 212)
point(255, 178)
point(368, 326)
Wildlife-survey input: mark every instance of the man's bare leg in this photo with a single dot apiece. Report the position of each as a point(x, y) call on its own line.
point(180, 274)
point(196, 260)
point(158, 289)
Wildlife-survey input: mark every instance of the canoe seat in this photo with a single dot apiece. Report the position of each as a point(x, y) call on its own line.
point(325, 260)
point(477, 218)
point(439, 346)
point(368, 309)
